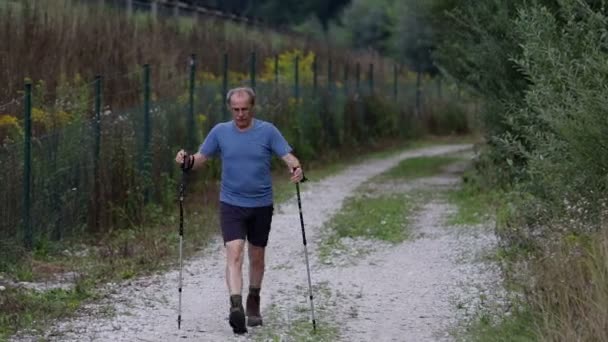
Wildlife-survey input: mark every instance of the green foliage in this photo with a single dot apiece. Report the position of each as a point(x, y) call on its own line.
point(565, 60)
point(327, 10)
point(12, 254)
point(369, 24)
point(282, 12)
point(477, 47)
point(448, 118)
point(541, 67)
point(413, 39)
point(401, 29)
point(515, 69)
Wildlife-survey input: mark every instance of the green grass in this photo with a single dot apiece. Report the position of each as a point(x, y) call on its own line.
point(297, 326)
point(475, 204)
point(417, 167)
point(382, 218)
point(377, 216)
point(519, 326)
point(24, 308)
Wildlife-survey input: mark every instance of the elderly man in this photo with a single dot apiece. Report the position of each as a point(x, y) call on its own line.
point(245, 146)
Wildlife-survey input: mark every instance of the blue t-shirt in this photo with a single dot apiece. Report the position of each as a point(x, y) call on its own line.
point(246, 157)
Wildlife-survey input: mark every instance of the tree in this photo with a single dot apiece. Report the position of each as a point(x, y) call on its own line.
point(369, 24)
point(413, 37)
point(288, 12)
point(327, 10)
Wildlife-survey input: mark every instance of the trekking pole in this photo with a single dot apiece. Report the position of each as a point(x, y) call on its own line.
point(181, 240)
point(312, 307)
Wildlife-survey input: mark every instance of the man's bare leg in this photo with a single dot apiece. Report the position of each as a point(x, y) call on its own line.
point(256, 265)
point(234, 266)
point(234, 281)
point(256, 275)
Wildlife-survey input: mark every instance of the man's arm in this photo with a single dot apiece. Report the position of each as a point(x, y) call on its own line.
point(294, 167)
point(199, 160)
point(192, 162)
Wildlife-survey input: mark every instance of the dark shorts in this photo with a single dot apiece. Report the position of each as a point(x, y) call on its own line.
point(241, 223)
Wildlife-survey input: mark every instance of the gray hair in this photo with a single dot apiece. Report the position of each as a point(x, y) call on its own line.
point(240, 90)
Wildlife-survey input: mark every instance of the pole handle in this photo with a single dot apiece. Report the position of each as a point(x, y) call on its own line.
point(188, 162)
point(304, 179)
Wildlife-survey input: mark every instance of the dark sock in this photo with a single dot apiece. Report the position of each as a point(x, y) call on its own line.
point(254, 291)
point(236, 301)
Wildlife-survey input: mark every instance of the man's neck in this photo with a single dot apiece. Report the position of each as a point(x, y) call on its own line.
point(245, 128)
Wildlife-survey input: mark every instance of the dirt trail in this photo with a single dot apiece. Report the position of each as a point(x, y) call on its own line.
point(410, 297)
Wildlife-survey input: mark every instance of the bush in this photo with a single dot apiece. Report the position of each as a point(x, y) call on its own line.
point(567, 68)
point(541, 67)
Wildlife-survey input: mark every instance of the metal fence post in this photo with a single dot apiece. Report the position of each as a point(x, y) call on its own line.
point(314, 75)
point(358, 78)
point(329, 77)
point(395, 80)
point(418, 85)
point(371, 78)
point(346, 79)
point(147, 134)
point(439, 95)
point(28, 236)
point(97, 181)
point(296, 90)
point(252, 71)
point(225, 85)
point(276, 70)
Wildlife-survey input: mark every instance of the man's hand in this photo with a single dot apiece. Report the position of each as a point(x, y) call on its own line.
point(297, 174)
point(294, 167)
point(186, 161)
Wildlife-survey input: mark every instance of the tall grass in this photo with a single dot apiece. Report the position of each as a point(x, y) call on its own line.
point(49, 39)
point(572, 289)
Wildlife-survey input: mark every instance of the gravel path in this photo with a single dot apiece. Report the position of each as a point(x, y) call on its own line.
point(412, 295)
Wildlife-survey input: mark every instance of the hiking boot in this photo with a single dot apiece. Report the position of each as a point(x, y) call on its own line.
point(254, 318)
point(237, 315)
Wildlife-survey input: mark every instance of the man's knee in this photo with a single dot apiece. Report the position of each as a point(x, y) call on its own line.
point(234, 252)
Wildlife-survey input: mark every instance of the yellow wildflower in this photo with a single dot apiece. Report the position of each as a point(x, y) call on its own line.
point(9, 127)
